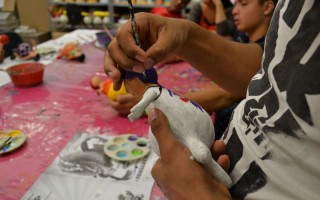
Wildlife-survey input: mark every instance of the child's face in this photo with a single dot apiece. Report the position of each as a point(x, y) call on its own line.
point(248, 15)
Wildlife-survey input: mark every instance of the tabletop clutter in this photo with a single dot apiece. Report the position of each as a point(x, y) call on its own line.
point(73, 59)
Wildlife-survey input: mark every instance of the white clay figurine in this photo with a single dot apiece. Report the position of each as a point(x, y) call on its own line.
point(189, 122)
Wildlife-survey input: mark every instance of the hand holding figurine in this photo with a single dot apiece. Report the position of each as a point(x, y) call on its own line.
point(177, 175)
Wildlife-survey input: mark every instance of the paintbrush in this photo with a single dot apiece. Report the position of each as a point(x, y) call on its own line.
point(89, 42)
point(6, 142)
point(134, 25)
point(108, 32)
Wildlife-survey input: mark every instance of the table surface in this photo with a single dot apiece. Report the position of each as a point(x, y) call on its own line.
point(65, 104)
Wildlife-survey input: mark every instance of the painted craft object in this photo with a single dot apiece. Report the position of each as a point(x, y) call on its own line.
point(11, 140)
point(25, 51)
point(71, 51)
point(4, 39)
point(127, 147)
point(189, 122)
point(106, 87)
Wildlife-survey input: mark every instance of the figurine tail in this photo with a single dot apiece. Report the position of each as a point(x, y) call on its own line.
point(201, 153)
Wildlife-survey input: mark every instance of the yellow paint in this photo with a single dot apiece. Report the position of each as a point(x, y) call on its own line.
point(112, 94)
point(14, 133)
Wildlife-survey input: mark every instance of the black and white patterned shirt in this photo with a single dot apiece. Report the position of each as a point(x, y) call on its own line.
point(274, 136)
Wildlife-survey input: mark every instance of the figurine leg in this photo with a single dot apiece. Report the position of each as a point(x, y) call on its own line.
point(201, 153)
point(140, 107)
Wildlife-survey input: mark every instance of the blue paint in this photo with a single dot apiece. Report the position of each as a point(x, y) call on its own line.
point(122, 154)
point(112, 147)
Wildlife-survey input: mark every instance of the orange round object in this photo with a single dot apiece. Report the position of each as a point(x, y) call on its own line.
point(4, 39)
point(106, 86)
point(26, 74)
point(95, 82)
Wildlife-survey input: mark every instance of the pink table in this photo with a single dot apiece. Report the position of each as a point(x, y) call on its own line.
point(51, 113)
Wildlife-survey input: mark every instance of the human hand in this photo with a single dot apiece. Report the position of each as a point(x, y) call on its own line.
point(177, 175)
point(161, 38)
point(124, 103)
point(217, 2)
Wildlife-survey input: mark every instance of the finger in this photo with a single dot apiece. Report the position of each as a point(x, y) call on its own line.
point(126, 98)
point(160, 127)
point(160, 49)
point(122, 59)
point(218, 148)
point(156, 172)
point(224, 162)
point(113, 104)
point(110, 68)
point(129, 47)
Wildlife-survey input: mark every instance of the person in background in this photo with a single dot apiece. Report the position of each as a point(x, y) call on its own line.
point(174, 9)
point(253, 18)
point(210, 13)
point(271, 146)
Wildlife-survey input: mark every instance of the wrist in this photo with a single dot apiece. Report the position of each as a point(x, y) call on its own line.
point(207, 191)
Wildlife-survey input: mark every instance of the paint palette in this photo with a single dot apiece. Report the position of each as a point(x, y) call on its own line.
point(127, 147)
point(11, 140)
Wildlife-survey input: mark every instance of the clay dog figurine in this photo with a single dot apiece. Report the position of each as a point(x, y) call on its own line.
point(189, 122)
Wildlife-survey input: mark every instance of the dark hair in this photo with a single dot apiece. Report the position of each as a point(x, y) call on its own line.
point(274, 1)
point(149, 76)
point(227, 4)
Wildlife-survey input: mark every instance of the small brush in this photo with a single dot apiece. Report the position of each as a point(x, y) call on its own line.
point(134, 25)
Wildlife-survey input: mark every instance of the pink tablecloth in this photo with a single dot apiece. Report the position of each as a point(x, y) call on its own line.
point(50, 114)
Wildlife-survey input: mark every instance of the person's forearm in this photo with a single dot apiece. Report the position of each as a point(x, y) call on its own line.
point(229, 64)
point(210, 16)
point(212, 98)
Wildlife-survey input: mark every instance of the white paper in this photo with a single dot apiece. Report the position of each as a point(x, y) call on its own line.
point(82, 172)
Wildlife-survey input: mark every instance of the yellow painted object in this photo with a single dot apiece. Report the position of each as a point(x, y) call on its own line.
point(112, 94)
point(101, 13)
point(84, 14)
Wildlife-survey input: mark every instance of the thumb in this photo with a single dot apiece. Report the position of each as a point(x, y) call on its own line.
point(161, 129)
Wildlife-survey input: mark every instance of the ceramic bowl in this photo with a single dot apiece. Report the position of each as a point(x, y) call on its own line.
point(26, 74)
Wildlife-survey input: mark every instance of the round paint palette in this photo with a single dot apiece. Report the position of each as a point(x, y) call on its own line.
point(127, 147)
point(11, 140)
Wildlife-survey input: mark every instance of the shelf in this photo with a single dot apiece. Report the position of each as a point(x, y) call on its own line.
point(80, 4)
point(105, 4)
point(111, 5)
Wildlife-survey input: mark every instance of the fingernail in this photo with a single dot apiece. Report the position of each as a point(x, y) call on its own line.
point(149, 63)
point(152, 115)
point(140, 58)
point(109, 74)
point(138, 69)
